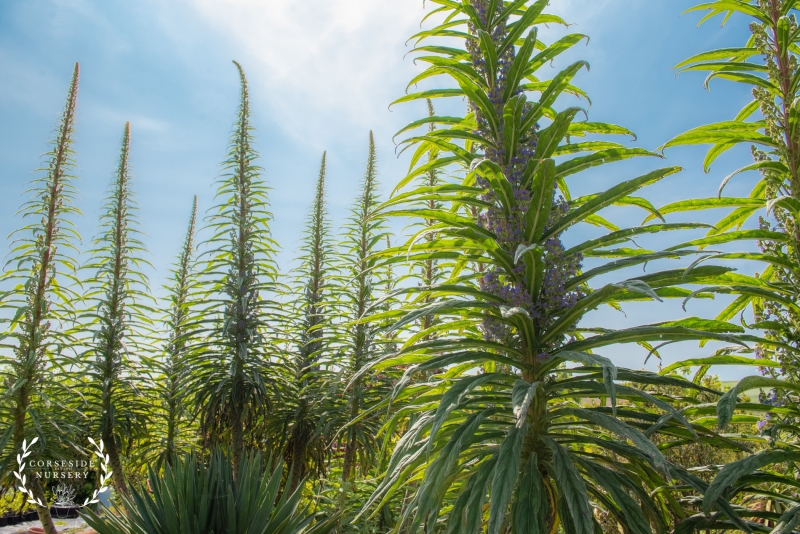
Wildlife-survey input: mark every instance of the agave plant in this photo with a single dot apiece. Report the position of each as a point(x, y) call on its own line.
point(119, 321)
point(519, 429)
point(39, 309)
point(191, 496)
point(233, 366)
point(170, 386)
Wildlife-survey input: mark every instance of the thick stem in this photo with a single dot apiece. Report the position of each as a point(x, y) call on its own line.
point(44, 511)
point(238, 445)
point(298, 466)
point(117, 475)
point(351, 446)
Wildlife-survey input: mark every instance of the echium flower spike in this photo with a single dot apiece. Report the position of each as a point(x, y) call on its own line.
point(119, 288)
point(552, 298)
point(306, 445)
point(232, 372)
point(179, 325)
point(40, 307)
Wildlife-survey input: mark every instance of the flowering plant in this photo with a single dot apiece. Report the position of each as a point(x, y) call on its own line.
point(506, 404)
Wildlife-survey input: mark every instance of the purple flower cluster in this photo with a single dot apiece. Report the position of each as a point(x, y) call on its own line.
point(553, 298)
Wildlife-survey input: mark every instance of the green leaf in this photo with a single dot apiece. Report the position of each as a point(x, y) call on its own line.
point(549, 95)
point(505, 476)
point(572, 489)
point(607, 198)
point(733, 471)
point(723, 132)
point(529, 510)
point(433, 93)
point(541, 199)
point(727, 404)
point(707, 203)
point(591, 360)
point(719, 360)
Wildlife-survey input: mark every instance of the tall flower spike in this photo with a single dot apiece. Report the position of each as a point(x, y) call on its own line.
point(121, 336)
point(234, 369)
point(40, 304)
point(181, 321)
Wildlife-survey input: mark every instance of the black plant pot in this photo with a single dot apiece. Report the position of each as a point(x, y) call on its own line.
point(31, 516)
point(3, 521)
point(14, 520)
point(64, 512)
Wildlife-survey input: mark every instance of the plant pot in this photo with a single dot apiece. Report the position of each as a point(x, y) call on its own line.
point(36, 530)
point(31, 516)
point(64, 512)
point(3, 521)
point(14, 519)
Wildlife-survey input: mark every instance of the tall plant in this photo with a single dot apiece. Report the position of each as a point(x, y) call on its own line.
point(510, 423)
point(235, 366)
point(40, 306)
point(768, 65)
point(303, 419)
point(362, 279)
point(171, 384)
point(119, 321)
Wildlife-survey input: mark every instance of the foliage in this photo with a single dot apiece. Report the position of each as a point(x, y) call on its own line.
point(768, 65)
point(451, 381)
point(119, 321)
point(504, 422)
point(38, 334)
point(232, 368)
point(191, 496)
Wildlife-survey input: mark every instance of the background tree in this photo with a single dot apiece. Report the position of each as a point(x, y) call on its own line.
point(359, 288)
point(302, 421)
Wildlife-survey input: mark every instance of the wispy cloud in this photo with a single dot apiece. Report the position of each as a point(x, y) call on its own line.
point(336, 61)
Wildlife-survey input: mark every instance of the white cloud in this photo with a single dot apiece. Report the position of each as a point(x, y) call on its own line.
point(335, 60)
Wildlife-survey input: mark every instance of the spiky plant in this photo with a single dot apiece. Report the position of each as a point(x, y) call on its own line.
point(302, 420)
point(118, 321)
point(519, 430)
point(171, 434)
point(234, 368)
point(40, 307)
point(197, 496)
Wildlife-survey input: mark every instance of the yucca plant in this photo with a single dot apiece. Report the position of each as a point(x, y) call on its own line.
point(768, 65)
point(234, 366)
point(301, 423)
point(510, 434)
point(38, 310)
point(118, 322)
point(171, 431)
point(192, 496)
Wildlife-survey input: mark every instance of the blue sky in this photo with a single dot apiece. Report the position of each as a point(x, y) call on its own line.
point(322, 73)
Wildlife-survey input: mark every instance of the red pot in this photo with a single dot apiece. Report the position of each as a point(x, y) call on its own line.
point(36, 530)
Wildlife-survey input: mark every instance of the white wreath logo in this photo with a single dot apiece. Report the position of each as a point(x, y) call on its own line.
point(22, 477)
